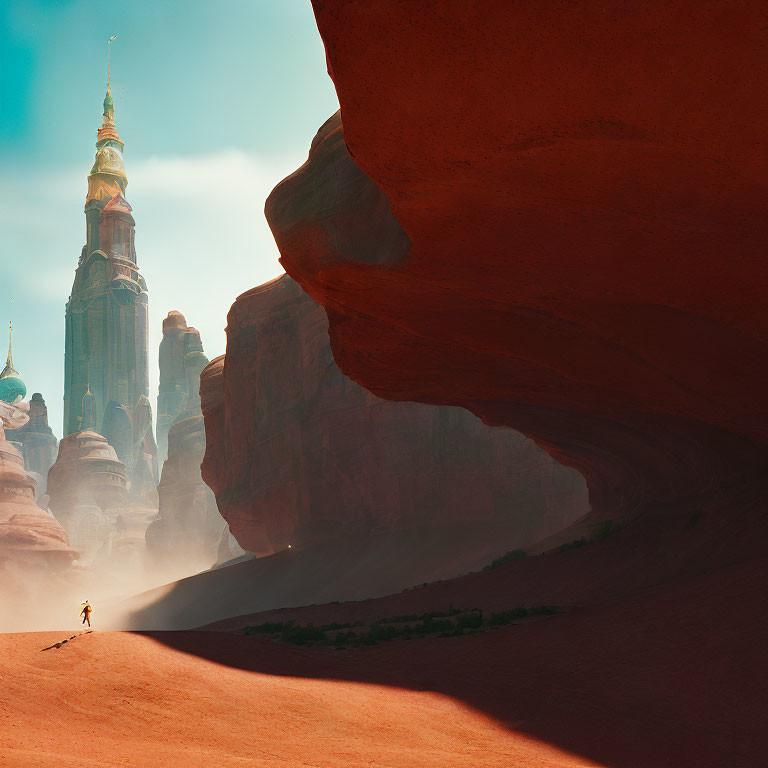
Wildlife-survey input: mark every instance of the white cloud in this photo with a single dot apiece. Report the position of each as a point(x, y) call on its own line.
point(201, 240)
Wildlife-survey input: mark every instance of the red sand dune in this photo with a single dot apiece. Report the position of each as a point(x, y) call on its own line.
point(124, 699)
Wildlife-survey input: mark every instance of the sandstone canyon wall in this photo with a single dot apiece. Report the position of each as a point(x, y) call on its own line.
point(555, 216)
point(298, 454)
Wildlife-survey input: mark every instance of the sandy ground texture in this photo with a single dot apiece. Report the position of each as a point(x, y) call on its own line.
point(114, 699)
point(672, 677)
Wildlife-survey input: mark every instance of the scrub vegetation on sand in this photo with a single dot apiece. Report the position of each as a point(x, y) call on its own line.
point(451, 623)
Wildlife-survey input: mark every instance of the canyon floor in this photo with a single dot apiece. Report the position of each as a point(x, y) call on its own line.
point(669, 675)
point(655, 660)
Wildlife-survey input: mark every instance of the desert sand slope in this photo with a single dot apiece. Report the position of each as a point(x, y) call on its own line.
point(661, 679)
point(343, 569)
point(113, 699)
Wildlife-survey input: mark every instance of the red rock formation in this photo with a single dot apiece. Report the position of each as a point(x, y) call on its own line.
point(28, 536)
point(298, 453)
point(583, 188)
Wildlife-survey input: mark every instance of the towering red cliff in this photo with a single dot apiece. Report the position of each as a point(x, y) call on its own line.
point(554, 215)
point(297, 453)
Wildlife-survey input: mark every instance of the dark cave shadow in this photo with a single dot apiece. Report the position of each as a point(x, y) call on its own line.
point(655, 679)
point(345, 569)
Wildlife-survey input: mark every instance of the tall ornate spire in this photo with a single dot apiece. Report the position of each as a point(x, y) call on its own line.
point(9, 369)
point(107, 177)
point(12, 388)
point(9, 360)
point(109, 77)
point(107, 134)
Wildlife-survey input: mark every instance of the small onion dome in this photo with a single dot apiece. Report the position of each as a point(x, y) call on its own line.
point(12, 389)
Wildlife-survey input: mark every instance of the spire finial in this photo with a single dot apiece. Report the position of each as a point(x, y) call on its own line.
point(88, 386)
point(109, 107)
point(109, 78)
point(9, 361)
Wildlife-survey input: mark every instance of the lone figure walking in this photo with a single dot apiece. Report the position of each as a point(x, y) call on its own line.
point(86, 612)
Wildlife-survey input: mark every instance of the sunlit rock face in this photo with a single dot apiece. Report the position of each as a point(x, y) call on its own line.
point(298, 453)
point(189, 528)
point(28, 536)
point(584, 192)
point(39, 445)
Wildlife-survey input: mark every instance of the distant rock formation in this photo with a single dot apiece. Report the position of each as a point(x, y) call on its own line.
point(172, 392)
point(28, 536)
point(188, 529)
point(39, 446)
point(87, 491)
point(298, 453)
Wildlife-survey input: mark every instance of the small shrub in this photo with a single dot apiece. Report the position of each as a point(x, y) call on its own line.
point(605, 529)
point(513, 554)
point(343, 638)
point(268, 628)
point(431, 626)
point(418, 616)
point(583, 541)
point(299, 635)
point(334, 626)
point(472, 620)
point(506, 617)
point(503, 618)
point(383, 632)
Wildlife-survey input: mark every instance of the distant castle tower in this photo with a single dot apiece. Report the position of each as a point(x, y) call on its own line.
point(106, 365)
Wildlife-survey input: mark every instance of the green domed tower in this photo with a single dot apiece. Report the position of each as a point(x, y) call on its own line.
point(12, 388)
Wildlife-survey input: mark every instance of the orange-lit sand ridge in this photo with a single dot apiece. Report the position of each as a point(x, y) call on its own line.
point(109, 699)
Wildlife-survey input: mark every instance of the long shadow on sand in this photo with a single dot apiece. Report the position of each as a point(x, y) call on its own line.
point(66, 640)
point(663, 670)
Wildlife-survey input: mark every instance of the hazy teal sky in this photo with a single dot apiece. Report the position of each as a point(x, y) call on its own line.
point(216, 102)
